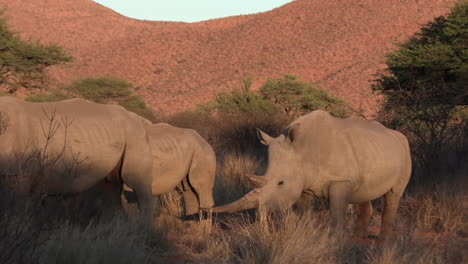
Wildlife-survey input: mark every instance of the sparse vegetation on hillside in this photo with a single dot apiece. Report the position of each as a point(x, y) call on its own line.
point(22, 62)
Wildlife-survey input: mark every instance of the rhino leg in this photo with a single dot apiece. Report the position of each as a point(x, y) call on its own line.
point(392, 200)
point(136, 172)
point(364, 216)
point(129, 202)
point(338, 196)
point(201, 178)
point(190, 199)
point(146, 204)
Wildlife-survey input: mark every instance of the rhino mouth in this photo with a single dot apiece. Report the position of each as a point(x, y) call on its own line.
point(248, 201)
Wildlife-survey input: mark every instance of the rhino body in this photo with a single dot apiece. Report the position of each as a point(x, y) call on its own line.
point(77, 144)
point(183, 159)
point(343, 160)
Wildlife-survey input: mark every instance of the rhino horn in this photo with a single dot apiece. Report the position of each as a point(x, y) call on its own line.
point(258, 181)
point(248, 201)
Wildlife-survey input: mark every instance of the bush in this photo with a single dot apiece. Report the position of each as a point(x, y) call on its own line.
point(231, 120)
point(54, 96)
point(240, 101)
point(230, 131)
point(23, 62)
point(438, 55)
point(102, 90)
point(135, 103)
point(110, 89)
point(297, 98)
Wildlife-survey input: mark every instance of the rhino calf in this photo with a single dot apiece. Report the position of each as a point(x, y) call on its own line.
point(183, 159)
point(343, 160)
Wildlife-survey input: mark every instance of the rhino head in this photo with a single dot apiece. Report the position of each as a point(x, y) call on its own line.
point(283, 181)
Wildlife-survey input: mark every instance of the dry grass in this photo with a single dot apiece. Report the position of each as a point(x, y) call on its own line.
point(431, 229)
point(431, 226)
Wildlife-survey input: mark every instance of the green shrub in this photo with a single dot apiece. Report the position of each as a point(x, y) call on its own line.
point(436, 55)
point(231, 120)
point(134, 101)
point(297, 98)
point(54, 96)
point(110, 89)
point(102, 89)
point(23, 62)
point(240, 101)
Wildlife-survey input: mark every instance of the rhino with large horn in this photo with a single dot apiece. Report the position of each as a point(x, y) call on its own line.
point(77, 144)
point(343, 160)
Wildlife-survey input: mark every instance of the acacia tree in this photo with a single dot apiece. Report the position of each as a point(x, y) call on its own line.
point(425, 85)
point(22, 63)
point(435, 58)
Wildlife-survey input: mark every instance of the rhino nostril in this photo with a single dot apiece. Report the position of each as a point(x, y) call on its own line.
point(281, 183)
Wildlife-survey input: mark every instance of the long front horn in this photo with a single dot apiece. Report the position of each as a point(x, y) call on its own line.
point(250, 200)
point(258, 181)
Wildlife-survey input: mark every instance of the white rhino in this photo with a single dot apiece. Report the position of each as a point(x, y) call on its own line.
point(76, 144)
point(343, 160)
point(183, 159)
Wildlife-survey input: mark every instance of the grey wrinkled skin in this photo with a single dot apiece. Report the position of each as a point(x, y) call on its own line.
point(183, 159)
point(77, 144)
point(347, 161)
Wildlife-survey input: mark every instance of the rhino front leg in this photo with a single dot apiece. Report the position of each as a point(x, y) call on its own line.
point(364, 216)
point(392, 200)
point(338, 196)
point(146, 204)
point(190, 198)
point(201, 180)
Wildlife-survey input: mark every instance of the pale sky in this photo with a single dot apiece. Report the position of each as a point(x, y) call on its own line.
point(188, 10)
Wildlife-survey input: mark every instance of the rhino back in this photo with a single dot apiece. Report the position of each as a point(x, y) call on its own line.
point(373, 158)
point(172, 149)
point(89, 138)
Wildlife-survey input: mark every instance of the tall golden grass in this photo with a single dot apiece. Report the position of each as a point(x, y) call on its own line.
point(431, 226)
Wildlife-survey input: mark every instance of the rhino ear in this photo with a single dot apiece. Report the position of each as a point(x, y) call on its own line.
point(265, 139)
point(293, 131)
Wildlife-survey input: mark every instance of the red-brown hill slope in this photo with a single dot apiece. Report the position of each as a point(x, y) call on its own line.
point(339, 44)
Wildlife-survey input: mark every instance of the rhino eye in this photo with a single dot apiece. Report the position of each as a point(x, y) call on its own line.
point(281, 183)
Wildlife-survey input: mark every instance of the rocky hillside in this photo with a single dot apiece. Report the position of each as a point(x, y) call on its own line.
point(339, 44)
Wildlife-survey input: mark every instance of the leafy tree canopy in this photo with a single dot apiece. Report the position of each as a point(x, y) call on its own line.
point(241, 100)
point(22, 63)
point(435, 57)
point(102, 89)
point(287, 95)
point(297, 98)
point(109, 89)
